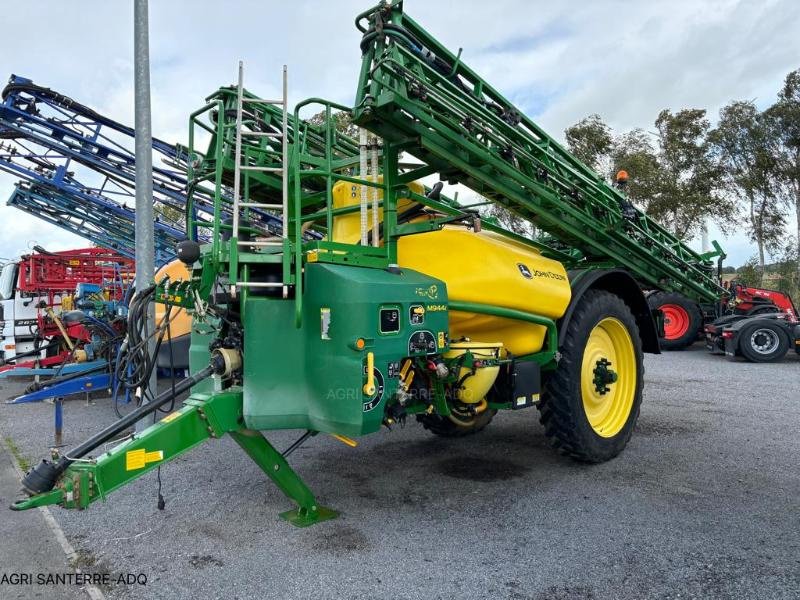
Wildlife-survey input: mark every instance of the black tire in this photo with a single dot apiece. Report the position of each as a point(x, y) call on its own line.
point(562, 409)
point(763, 342)
point(446, 427)
point(693, 314)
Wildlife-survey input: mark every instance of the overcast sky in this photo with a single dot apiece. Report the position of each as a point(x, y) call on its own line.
point(558, 61)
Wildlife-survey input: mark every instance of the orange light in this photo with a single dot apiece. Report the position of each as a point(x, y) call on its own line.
point(622, 175)
point(360, 343)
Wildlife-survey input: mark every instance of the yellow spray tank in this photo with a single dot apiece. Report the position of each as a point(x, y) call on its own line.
point(487, 268)
point(347, 227)
point(478, 267)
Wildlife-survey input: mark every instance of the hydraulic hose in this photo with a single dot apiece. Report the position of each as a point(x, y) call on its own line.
point(42, 478)
point(34, 352)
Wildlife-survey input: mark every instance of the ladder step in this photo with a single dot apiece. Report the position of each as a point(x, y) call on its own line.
point(260, 205)
point(262, 134)
point(264, 169)
point(261, 284)
point(263, 244)
point(262, 101)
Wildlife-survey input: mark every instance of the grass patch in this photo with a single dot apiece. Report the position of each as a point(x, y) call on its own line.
point(83, 559)
point(23, 462)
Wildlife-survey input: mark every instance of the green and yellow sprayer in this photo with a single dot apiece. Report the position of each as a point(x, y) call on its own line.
point(379, 297)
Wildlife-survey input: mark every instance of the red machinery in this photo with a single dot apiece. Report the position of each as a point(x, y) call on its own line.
point(685, 320)
point(48, 273)
point(46, 281)
point(750, 301)
point(761, 325)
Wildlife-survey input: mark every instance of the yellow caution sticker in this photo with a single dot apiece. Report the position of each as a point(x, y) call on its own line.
point(137, 459)
point(171, 417)
point(171, 298)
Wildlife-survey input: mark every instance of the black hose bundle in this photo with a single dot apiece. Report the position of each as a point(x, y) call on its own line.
point(134, 364)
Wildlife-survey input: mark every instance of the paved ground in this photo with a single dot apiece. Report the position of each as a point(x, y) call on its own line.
point(29, 546)
point(704, 503)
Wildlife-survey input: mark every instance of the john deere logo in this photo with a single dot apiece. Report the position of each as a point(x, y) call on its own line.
point(526, 272)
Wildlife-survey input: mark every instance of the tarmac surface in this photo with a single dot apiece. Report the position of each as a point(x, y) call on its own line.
point(704, 503)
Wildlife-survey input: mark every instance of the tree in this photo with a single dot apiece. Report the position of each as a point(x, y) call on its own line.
point(170, 214)
point(343, 122)
point(634, 153)
point(784, 117)
point(689, 186)
point(673, 175)
point(749, 274)
point(787, 269)
point(507, 219)
point(591, 141)
point(744, 144)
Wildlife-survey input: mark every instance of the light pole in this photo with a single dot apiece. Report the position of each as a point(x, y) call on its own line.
point(145, 250)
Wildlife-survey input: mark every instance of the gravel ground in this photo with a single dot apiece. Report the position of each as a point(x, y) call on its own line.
point(704, 503)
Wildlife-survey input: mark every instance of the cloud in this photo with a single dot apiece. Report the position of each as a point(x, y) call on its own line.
point(558, 61)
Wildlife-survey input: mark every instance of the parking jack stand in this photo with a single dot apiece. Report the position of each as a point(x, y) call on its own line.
point(275, 466)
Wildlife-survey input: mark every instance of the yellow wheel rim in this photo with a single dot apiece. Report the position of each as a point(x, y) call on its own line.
point(608, 377)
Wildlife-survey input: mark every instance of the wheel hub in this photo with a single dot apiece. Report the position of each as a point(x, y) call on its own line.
point(763, 341)
point(676, 321)
point(608, 358)
point(603, 376)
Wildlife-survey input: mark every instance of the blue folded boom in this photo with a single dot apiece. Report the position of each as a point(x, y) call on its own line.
point(92, 217)
point(79, 167)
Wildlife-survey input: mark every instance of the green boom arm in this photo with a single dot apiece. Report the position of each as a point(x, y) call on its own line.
point(415, 93)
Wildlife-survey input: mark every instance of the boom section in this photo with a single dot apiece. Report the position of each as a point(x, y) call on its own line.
point(415, 92)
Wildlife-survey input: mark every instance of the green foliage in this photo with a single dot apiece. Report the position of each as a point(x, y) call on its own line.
point(745, 171)
point(169, 214)
point(788, 270)
point(23, 462)
point(744, 141)
point(785, 114)
point(343, 122)
point(506, 219)
point(634, 153)
point(673, 175)
point(784, 117)
point(749, 273)
point(690, 185)
point(590, 140)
